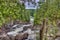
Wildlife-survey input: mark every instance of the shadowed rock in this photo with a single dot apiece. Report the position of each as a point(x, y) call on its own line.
point(21, 37)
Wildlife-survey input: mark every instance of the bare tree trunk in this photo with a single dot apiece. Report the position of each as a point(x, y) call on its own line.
point(43, 30)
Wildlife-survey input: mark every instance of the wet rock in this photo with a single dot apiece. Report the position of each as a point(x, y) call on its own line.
point(21, 37)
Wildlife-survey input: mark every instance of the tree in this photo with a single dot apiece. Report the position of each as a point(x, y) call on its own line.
point(11, 10)
point(48, 13)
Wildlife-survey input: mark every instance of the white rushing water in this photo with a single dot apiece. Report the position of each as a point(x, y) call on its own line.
point(31, 20)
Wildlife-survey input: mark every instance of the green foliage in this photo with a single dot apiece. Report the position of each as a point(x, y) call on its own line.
point(41, 13)
point(48, 10)
point(12, 10)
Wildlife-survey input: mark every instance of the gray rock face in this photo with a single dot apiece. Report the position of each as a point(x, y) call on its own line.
point(19, 29)
point(58, 38)
point(15, 29)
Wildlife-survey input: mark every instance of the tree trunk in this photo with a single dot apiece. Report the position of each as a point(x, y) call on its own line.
point(43, 30)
